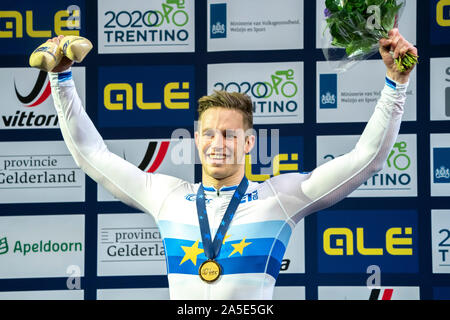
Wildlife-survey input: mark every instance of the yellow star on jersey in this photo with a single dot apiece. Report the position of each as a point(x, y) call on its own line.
point(226, 237)
point(239, 247)
point(191, 253)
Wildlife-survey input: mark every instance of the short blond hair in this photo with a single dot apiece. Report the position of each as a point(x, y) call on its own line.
point(230, 100)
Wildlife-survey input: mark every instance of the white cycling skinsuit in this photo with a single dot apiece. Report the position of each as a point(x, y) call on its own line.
point(255, 243)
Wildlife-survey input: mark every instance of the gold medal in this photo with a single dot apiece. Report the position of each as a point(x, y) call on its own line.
point(209, 271)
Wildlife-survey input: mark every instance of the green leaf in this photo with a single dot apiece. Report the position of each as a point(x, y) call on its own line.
point(347, 24)
point(333, 5)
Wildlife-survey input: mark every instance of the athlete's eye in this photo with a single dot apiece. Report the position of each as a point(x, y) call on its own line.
point(230, 134)
point(208, 133)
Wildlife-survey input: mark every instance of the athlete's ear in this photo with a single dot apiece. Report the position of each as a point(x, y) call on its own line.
point(196, 137)
point(249, 143)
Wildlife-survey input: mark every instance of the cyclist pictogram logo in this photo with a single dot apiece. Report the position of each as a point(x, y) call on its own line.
point(288, 88)
point(178, 17)
point(398, 158)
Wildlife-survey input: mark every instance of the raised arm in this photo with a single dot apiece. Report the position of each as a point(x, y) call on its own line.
point(334, 180)
point(125, 181)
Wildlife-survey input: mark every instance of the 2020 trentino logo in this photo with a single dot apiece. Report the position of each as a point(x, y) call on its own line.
point(172, 13)
point(275, 88)
point(398, 176)
point(143, 26)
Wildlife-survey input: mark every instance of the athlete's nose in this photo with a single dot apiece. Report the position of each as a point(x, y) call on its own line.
point(217, 141)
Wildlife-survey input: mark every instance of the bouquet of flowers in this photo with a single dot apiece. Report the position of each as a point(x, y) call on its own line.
point(358, 25)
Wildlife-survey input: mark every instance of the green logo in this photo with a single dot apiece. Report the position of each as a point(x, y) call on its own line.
point(288, 88)
point(178, 17)
point(399, 157)
point(3, 245)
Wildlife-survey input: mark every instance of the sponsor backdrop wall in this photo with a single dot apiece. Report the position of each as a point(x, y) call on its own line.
point(64, 237)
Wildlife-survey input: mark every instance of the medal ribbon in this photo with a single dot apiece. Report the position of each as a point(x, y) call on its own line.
point(212, 248)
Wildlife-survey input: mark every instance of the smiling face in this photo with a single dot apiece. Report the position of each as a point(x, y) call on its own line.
point(222, 143)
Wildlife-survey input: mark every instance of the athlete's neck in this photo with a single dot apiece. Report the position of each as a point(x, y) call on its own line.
point(233, 180)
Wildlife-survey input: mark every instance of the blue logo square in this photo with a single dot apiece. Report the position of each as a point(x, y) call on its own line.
point(328, 91)
point(441, 165)
point(441, 293)
point(218, 20)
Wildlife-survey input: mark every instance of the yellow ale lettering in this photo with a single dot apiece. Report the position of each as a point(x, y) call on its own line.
point(440, 19)
point(114, 106)
point(35, 33)
point(18, 24)
point(391, 242)
point(339, 242)
point(140, 99)
point(73, 24)
point(360, 245)
point(169, 95)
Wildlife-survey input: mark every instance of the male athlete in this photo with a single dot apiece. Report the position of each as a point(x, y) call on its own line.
point(244, 260)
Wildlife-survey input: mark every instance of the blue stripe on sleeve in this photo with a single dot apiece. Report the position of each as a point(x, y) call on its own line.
point(64, 76)
point(391, 83)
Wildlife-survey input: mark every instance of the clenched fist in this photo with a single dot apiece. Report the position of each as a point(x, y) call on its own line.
point(399, 46)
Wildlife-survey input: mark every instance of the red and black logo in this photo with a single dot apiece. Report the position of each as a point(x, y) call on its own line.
point(37, 95)
point(164, 146)
point(28, 118)
point(375, 294)
point(151, 162)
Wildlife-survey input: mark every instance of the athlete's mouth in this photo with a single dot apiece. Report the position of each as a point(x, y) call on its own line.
point(217, 157)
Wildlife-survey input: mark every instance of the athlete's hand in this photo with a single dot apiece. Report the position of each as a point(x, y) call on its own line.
point(399, 46)
point(65, 62)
